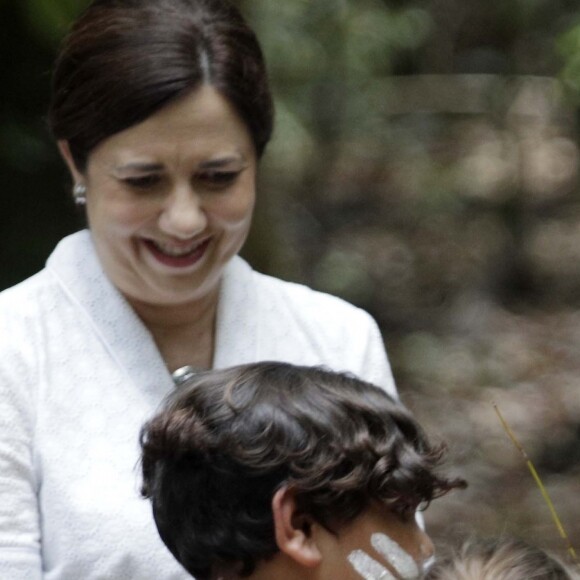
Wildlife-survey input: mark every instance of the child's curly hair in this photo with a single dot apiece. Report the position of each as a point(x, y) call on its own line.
point(228, 440)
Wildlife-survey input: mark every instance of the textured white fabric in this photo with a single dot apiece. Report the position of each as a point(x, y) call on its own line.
point(79, 374)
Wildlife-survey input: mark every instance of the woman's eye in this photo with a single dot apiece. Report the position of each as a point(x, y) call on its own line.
point(143, 182)
point(218, 179)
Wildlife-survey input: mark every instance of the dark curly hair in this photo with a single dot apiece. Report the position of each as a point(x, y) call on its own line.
point(228, 440)
point(123, 60)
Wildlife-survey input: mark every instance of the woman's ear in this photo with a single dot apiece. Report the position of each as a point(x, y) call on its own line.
point(66, 154)
point(293, 530)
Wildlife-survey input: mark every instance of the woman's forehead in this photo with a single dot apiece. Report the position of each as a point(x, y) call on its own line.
point(201, 124)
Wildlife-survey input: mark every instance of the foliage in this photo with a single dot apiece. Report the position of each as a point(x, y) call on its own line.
point(49, 19)
point(425, 166)
point(569, 47)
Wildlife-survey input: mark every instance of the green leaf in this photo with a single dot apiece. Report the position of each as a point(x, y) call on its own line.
point(50, 19)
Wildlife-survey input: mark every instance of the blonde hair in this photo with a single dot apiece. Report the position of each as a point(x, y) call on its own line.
point(500, 559)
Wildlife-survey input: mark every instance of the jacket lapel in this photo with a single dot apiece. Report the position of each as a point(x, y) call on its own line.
point(128, 342)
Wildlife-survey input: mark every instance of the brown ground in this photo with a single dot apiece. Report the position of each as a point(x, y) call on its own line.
point(529, 366)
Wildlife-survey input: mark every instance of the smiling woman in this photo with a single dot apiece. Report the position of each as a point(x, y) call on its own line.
point(161, 110)
point(170, 202)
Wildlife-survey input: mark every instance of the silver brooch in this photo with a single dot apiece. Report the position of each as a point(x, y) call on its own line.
point(183, 374)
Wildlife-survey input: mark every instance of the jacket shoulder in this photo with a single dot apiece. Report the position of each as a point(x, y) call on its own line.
point(307, 302)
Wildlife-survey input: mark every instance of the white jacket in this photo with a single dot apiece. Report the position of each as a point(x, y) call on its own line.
point(80, 373)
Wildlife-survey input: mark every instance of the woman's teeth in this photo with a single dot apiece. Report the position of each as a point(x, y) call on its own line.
point(176, 251)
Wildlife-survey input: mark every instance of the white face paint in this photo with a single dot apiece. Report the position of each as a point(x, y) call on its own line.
point(428, 563)
point(399, 559)
point(368, 568)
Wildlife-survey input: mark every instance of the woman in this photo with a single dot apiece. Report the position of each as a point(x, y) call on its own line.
point(161, 109)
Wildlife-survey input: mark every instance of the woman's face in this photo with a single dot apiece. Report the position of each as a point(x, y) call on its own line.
point(170, 200)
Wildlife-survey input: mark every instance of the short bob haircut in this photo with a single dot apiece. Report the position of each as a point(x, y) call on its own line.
point(501, 558)
point(123, 60)
point(225, 442)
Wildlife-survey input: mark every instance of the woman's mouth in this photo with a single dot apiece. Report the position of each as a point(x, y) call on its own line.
point(177, 255)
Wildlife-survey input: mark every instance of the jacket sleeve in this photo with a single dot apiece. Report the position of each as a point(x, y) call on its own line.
point(19, 520)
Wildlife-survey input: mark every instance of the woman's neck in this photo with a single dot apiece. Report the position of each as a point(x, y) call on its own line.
point(184, 333)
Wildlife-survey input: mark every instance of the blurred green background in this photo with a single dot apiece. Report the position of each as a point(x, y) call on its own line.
point(425, 167)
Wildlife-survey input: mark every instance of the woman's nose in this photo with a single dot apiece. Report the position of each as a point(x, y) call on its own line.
point(183, 216)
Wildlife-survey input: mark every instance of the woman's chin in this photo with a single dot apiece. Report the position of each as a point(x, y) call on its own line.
point(162, 289)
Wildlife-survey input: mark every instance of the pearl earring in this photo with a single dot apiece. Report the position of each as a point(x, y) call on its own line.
point(80, 193)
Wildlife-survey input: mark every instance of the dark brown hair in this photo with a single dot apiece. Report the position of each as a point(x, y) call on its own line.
point(226, 442)
point(123, 60)
point(501, 558)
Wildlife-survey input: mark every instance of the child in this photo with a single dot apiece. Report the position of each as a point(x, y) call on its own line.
point(499, 559)
point(274, 471)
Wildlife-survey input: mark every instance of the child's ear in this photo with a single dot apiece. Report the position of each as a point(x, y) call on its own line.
point(293, 530)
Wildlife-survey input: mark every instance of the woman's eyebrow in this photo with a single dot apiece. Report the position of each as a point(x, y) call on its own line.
point(222, 162)
point(138, 166)
point(209, 164)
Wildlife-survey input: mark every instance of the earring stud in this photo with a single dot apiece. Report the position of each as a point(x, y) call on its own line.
point(80, 193)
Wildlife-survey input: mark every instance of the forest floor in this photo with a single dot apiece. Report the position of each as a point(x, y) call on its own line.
point(528, 365)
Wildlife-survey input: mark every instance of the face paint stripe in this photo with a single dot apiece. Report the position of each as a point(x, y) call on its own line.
point(398, 558)
point(368, 568)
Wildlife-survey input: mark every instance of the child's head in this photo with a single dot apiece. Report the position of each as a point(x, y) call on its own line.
point(273, 470)
point(499, 559)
